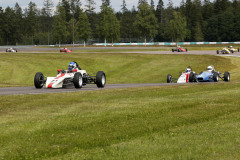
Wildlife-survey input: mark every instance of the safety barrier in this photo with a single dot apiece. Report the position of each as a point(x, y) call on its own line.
point(161, 43)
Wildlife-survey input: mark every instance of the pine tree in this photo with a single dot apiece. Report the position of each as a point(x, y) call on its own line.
point(124, 7)
point(83, 27)
point(108, 27)
point(152, 5)
point(59, 26)
point(146, 22)
point(90, 6)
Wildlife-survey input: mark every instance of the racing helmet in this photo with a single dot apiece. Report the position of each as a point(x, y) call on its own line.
point(210, 68)
point(188, 69)
point(71, 66)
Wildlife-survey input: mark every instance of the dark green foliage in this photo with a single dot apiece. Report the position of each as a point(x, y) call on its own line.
point(206, 20)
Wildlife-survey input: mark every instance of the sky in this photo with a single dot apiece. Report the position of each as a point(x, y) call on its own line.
point(116, 4)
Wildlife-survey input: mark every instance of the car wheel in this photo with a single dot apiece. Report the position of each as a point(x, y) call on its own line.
point(238, 49)
point(39, 80)
point(217, 51)
point(226, 76)
point(215, 77)
point(178, 50)
point(77, 80)
point(169, 78)
point(100, 79)
point(172, 50)
point(186, 49)
point(192, 77)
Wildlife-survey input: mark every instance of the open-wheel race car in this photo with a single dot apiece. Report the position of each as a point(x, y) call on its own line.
point(65, 50)
point(212, 76)
point(74, 75)
point(232, 50)
point(11, 50)
point(179, 49)
point(185, 77)
point(228, 50)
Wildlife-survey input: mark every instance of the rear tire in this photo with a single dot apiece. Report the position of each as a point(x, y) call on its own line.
point(226, 76)
point(169, 78)
point(192, 77)
point(39, 80)
point(100, 79)
point(186, 49)
point(77, 80)
point(172, 50)
point(215, 77)
point(217, 51)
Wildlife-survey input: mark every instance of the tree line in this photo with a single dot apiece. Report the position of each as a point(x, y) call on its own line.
point(71, 22)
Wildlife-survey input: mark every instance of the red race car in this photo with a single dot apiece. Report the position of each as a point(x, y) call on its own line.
point(179, 49)
point(65, 50)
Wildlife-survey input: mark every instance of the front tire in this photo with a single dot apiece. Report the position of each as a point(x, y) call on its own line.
point(169, 78)
point(217, 51)
point(215, 77)
point(226, 76)
point(100, 79)
point(39, 80)
point(77, 80)
point(186, 49)
point(172, 50)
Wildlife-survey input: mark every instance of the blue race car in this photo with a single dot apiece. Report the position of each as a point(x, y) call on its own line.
point(212, 76)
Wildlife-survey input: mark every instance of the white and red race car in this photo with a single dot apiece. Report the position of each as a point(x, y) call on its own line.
point(185, 77)
point(11, 50)
point(74, 75)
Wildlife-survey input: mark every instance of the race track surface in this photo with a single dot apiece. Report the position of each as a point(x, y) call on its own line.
point(33, 90)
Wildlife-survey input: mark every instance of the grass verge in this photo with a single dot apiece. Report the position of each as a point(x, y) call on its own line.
point(199, 121)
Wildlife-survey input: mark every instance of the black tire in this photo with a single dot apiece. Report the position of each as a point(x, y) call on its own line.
point(192, 77)
point(186, 49)
point(60, 50)
point(215, 77)
point(217, 51)
point(172, 50)
point(39, 80)
point(77, 80)
point(179, 50)
point(100, 79)
point(169, 78)
point(238, 49)
point(226, 76)
point(231, 51)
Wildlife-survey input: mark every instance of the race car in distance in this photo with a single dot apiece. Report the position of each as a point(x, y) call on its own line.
point(74, 75)
point(227, 50)
point(233, 49)
point(185, 77)
point(179, 49)
point(212, 76)
point(11, 50)
point(65, 50)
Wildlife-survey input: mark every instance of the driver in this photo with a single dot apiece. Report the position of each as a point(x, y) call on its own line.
point(188, 69)
point(210, 68)
point(73, 65)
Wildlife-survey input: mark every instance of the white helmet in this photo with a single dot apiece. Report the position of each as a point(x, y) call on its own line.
point(210, 68)
point(188, 69)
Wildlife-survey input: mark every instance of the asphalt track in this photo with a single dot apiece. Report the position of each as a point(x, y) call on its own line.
point(33, 90)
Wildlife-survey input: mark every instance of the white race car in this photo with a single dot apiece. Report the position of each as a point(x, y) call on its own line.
point(11, 50)
point(185, 77)
point(74, 75)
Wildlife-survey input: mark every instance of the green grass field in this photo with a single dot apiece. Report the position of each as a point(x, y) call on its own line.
point(178, 122)
point(19, 69)
point(192, 121)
